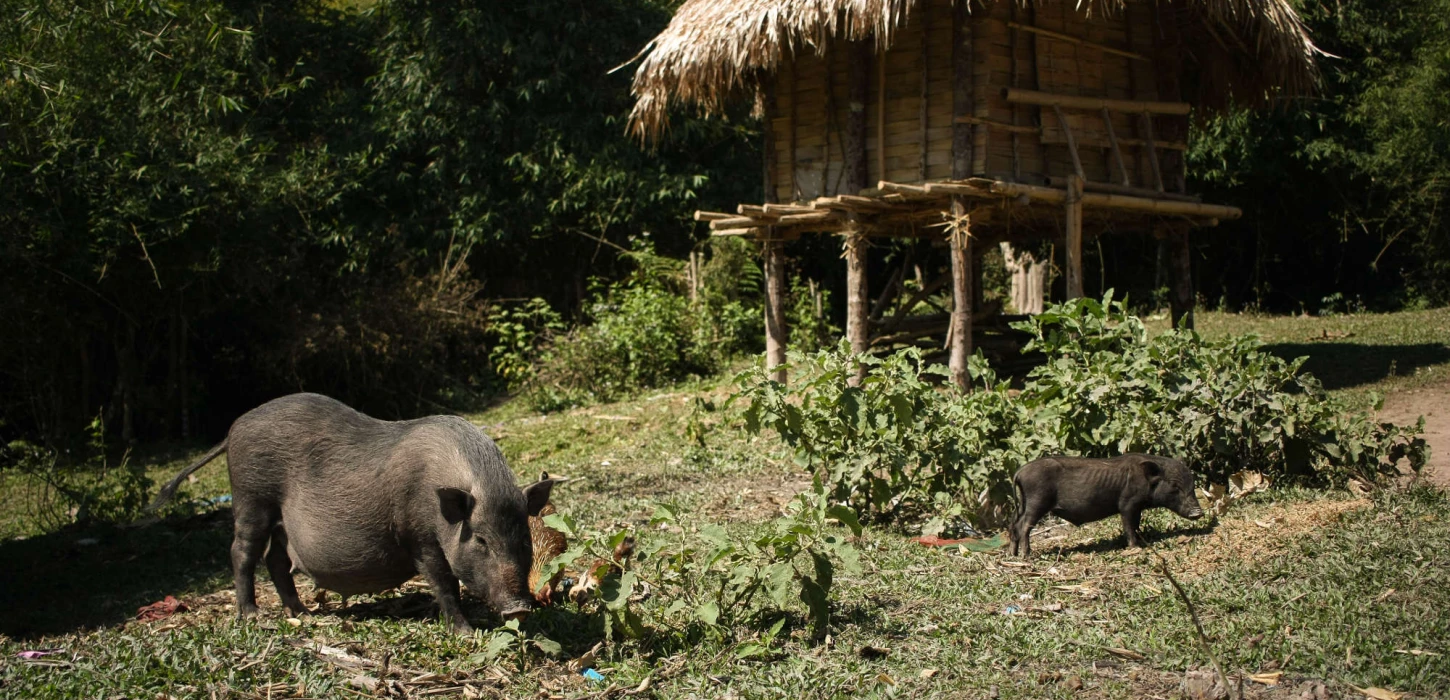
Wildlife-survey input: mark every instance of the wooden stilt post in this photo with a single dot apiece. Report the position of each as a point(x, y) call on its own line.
point(858, 305)
point(960, 239)
point(1180, 265)
point(776, 333)
point(1074, 236)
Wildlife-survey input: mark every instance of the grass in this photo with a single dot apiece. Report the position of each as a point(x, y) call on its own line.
point(1350, 353)
point(1324, 587)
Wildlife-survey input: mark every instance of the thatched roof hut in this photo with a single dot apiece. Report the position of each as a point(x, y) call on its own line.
point(972, 121)
point(715, 51)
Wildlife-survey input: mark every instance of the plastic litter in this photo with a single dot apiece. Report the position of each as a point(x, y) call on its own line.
point(224, 498)
point(1011, 610)
point(161, 609)
point(38, 653)
point(593, 675)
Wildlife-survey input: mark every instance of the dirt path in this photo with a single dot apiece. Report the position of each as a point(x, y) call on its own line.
point(1432, 402)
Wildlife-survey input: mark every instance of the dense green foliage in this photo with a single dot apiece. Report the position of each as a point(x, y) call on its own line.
point(649, 330)
point(1344, 192)
point(898, 444)
point(206, 205)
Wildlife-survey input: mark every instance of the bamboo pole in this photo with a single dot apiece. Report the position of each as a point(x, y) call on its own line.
point(1117, 151)
point(857, 309)
point(960, 240)
point(1048, 99)
point(1071, 141)
point(1147, 121)
point(1080, 42)
point(1094, 200)
point(1073, 226)
point(1113, 188)
point(776, 333)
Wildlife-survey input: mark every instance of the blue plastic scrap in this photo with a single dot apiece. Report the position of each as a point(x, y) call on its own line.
point(593, 675)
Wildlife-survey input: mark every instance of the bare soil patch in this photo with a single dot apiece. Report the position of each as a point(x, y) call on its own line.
point(1432, 402)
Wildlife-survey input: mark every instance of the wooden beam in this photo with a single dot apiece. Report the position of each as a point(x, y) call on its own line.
point(857, 301)
point(767, 101)
point(962, 133)
point(922, 118)
point(959, 237)
point(776, 333)
point(733, 222)
point(858, 79)
point(1073, 228)
point(899, 188)
point(1117, 151)
point(1088, 141)
point(792, 120)
point(1048, 99)
point(1080, 42)
point(1004, 126)
point(1096, 200)
point(1071, 142)
point(1147, 121)
point(880, 118)
point(1113, 188)
point(712, 215)
point(957, 188)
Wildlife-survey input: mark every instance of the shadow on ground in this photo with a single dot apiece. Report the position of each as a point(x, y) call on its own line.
point(1345, 365)
point(85, 578)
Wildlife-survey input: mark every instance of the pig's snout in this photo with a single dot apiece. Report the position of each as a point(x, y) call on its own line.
point(518, 610)
point(1193, 512)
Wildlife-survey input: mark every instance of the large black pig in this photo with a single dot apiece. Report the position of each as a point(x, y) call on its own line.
point(1081, 490)
point(362, 505)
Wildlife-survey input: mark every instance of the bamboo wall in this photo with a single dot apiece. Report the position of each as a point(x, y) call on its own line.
point(811, 105)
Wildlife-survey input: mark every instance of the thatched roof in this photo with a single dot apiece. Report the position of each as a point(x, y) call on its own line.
point(713, 50)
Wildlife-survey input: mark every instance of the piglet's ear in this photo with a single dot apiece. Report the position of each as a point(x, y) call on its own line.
point(1153, 471)
point(537, 494)
point(455, 504)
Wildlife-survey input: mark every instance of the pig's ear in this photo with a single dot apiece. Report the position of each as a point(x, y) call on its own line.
point(537, 494)
point(456, 504)
point(1153, 471)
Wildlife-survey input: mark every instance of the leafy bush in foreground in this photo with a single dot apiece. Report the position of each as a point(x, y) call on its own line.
point(705, 580)
point(900, 443)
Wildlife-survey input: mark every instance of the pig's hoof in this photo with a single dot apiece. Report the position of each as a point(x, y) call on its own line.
point(462, 627)
point(245, 611)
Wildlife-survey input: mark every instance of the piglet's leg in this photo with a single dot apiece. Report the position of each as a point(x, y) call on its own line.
point(435, 569)
point(1131, 518)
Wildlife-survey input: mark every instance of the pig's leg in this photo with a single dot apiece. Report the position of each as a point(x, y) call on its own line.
point(279, 565)
point(252, 529)
point(435, 569)
point(1032, 511)
point(1131, 518)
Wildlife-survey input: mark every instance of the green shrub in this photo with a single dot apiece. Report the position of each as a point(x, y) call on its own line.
point(709, 580)
point(901, 443)
point(87, 490)
point(1221, 406)
point(645, 332)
